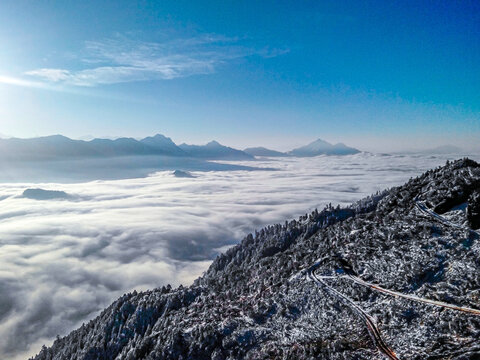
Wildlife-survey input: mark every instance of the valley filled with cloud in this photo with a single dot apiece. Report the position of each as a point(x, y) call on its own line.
point(69, 250)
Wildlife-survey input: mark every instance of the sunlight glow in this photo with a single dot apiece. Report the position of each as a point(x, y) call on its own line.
point(20, 82)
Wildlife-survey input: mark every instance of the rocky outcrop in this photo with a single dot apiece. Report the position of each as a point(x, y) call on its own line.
point(473, 210)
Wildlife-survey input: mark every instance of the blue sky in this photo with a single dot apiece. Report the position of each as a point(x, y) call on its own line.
point(375, 74)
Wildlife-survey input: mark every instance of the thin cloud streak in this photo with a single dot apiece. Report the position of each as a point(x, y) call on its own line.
point(62, 88)
point(9, 80)
point(123, 60)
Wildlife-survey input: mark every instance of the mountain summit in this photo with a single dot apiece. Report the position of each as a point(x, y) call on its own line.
point(261, 151)
point(163, 143)
point(322, 147)
point(392, 276)
point(215, 150)
point(60, 147)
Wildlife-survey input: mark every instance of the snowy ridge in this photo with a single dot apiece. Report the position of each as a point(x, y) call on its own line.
point(252, 303)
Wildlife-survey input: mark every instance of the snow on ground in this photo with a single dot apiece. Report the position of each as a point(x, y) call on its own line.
point(63, 260)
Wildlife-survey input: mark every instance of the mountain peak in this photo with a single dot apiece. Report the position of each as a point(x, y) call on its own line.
point(215, 150)
point(161, 136)
point(56, 137)
point(320, 141)
point(322, 147)
point(262, 151)
point(161, 143)
point(158, 138)
point(214, 143)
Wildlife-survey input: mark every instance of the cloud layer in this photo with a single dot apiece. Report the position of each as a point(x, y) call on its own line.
point(63, 260)
point(122, 59)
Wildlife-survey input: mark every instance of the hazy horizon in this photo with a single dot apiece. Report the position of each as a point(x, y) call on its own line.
point(363, 144)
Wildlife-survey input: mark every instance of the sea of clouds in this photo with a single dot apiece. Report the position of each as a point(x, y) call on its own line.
point(63, 260)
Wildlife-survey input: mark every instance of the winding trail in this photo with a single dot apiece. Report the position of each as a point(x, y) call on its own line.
point(370, 322)
point(372, 326)
point(411, 297)
point(423, 208)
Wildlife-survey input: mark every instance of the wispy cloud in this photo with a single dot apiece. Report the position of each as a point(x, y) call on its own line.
point(122, 59)
point(51, 74)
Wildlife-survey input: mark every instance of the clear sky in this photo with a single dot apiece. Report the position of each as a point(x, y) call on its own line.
point(374, 74)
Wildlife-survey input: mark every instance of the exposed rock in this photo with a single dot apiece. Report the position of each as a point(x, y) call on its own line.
point(41, 194)
point(473, 210)
point(182, 174)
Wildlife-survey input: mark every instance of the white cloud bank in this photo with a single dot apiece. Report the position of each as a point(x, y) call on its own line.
point(62, 261)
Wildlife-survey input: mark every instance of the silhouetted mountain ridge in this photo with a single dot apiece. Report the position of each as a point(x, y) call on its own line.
point(214, 150)
point(61, 147)
point(322, 147)
point(262, 151)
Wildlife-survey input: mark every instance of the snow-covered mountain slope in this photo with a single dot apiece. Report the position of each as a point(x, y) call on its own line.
point(393, 276)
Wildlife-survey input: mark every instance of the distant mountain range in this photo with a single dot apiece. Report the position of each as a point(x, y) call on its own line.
point(214, 150)
point(261, 151)
point(318, 147)
point(444, 149)
point(321, 147)
point(61, 147)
